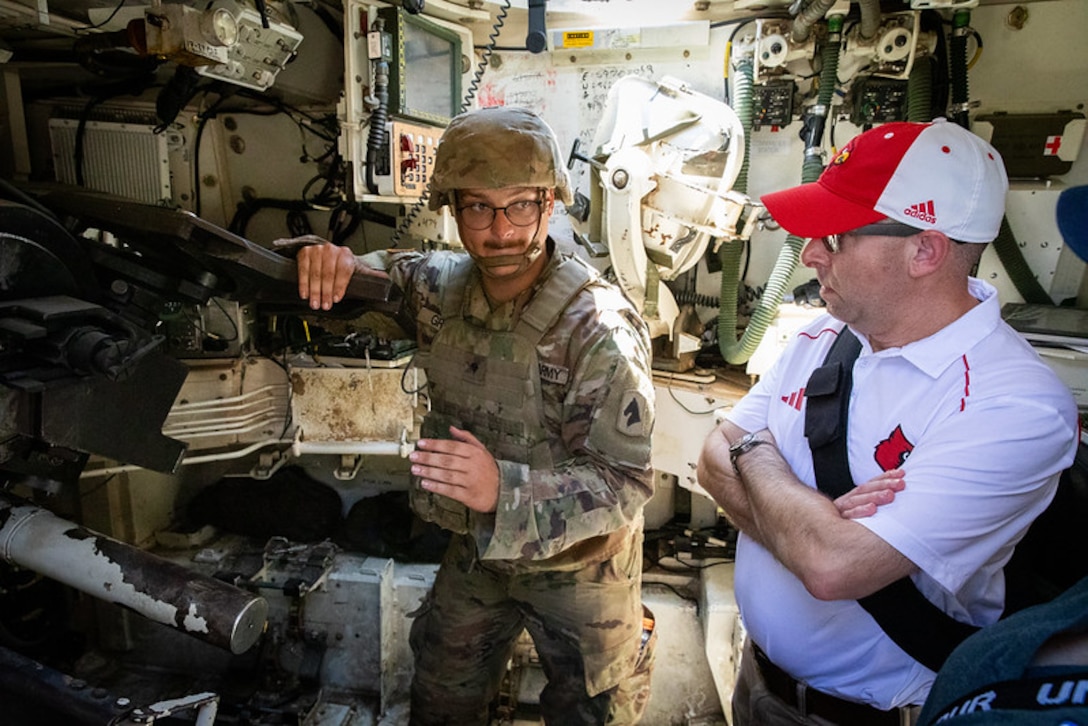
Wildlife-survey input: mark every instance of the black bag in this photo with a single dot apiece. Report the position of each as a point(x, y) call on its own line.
point(1053, 556)
point(289, 504)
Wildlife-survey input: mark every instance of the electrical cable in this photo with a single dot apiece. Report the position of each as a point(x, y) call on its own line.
point(104, 22)
point(485, 61)
point(278, 107)
point(485, 57)
point(81, 130)
point(679, 403)
point(978, 49)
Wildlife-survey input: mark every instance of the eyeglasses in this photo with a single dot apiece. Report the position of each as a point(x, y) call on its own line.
point(478, 215)
point(884, 228)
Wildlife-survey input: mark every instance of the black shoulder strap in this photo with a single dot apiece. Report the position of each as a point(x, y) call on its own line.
point(920, 628)
point(828, 394)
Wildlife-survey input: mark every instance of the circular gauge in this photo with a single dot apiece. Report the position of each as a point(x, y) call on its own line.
point(220, 27)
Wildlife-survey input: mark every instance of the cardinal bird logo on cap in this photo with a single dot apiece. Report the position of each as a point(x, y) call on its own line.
point(893, 451)
point(841, 157)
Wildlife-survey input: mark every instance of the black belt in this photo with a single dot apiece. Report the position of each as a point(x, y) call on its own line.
point(809, 701)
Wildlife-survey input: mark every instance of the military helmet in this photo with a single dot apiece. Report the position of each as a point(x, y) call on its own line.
point(493, 148)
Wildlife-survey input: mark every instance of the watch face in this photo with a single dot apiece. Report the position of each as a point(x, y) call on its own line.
point(742, 442)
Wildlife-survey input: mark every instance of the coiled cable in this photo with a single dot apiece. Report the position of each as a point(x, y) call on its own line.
point(473, 86)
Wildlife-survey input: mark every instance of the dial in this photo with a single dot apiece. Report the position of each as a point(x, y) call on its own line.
point(220, 27)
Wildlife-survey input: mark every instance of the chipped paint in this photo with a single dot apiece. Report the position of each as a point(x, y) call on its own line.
point(160, 590)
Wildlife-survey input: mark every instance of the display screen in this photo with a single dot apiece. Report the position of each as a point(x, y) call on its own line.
point(425, 80)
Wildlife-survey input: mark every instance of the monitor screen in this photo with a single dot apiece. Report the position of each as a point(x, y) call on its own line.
point(425, 72)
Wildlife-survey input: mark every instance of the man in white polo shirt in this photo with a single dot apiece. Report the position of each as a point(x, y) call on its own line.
point(955, 429)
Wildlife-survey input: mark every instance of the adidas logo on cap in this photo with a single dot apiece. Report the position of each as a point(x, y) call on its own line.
point(923, 211)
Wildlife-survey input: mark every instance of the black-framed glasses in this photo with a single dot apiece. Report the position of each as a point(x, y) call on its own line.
point(884, 228)
point(523, 213)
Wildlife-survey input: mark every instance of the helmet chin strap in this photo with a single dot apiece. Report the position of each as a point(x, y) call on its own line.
point(489, 265)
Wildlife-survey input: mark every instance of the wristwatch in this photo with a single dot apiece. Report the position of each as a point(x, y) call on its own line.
point(742, 446)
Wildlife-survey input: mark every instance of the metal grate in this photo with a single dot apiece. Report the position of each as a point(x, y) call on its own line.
point(128, 160)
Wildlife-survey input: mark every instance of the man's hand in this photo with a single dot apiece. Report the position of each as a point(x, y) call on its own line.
point(324, 270)
point(864, 499)
point(461, 469)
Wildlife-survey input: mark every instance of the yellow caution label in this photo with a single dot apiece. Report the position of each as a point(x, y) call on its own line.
point(578, 39)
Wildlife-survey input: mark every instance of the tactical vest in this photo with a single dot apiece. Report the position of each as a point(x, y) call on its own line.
point(488, 382)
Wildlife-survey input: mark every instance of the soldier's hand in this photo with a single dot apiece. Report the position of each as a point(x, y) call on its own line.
point(864, 499)
point(460, 468)
point(324, 270)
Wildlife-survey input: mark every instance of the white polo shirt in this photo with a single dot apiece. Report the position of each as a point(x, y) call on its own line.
point(982, 429)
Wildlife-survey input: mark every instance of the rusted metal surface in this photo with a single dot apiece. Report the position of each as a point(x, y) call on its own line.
point(351, 404)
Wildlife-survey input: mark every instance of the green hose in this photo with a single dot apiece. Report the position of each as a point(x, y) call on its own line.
point(738, 352)
point(958, 69)
point(730, 255)
point(920, 91)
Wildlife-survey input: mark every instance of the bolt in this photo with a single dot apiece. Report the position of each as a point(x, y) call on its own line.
point(1017, 18)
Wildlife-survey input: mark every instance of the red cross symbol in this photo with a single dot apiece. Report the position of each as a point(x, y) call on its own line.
point(1053, 143)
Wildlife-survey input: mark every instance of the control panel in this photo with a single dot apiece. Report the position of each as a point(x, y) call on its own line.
point(774, 104)
point(412, 147)
point(877, 100)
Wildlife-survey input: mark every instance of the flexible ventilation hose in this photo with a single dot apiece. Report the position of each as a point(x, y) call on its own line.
point(790, 255)
point(958, 70)
point(920, 91)
point(730, 254)
point(809, 16)
point(870, 18)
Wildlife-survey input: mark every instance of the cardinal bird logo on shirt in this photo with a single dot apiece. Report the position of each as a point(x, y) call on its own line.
point(893, 451)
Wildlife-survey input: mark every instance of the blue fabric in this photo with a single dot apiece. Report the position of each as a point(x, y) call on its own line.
point(1003, 652)
point(1072, 214)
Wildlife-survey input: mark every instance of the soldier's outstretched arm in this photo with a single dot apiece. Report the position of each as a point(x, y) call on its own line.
point(324, 270)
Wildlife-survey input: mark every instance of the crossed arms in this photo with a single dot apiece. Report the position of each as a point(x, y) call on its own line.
point(817, 539)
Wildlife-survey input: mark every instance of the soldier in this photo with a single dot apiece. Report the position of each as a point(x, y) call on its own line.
point(536, 449)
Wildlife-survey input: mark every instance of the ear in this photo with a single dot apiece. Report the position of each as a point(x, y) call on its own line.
point(930, 250)
point(549, 202)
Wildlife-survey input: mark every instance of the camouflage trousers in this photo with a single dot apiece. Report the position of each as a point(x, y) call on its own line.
point(586, 624)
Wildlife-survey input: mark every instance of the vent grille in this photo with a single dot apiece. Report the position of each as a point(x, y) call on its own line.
point(128, 160)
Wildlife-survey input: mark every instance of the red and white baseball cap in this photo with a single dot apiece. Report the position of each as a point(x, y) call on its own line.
point(927, 175)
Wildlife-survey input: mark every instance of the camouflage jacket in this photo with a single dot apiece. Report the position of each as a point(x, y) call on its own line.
point(598, 408)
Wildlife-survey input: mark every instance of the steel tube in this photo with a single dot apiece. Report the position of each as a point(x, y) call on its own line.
point(165, 592)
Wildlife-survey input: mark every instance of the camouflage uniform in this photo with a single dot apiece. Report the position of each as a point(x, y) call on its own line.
point(557, 385)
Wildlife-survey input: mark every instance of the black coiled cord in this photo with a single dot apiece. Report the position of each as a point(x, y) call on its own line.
point(485, 60)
